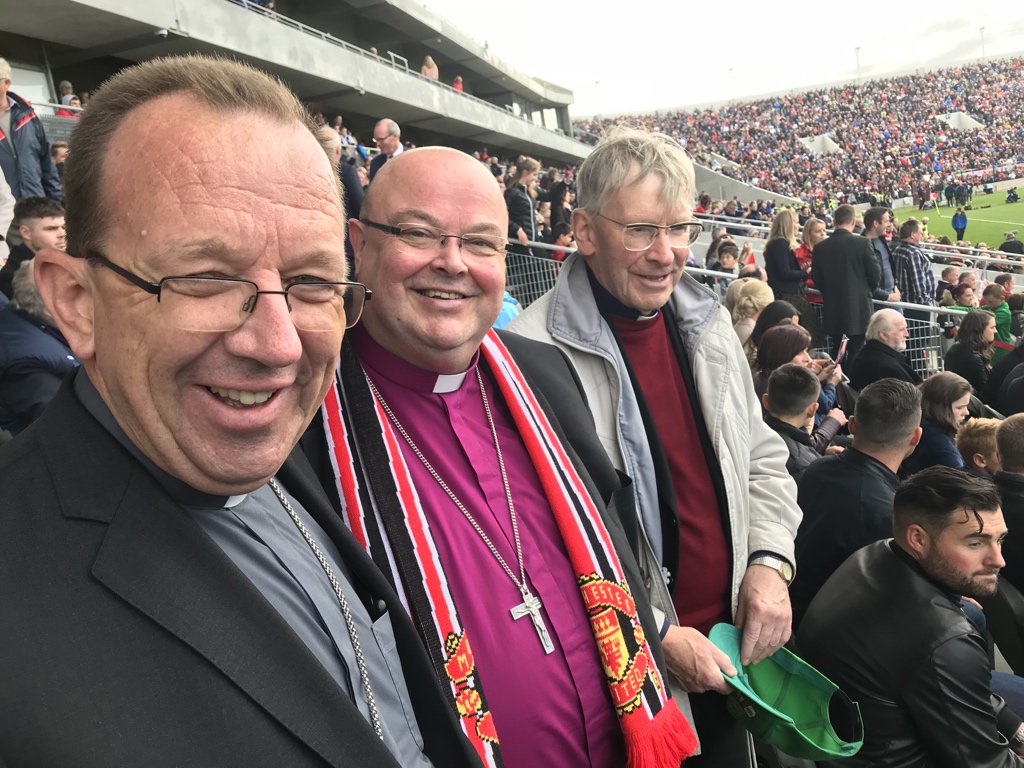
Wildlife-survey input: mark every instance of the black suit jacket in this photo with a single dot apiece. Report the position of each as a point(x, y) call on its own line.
point(846, 272)
point(377, 163)
point(130, 638)
point(876, 361)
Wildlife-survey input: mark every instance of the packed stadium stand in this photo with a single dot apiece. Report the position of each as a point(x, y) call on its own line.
point(888, 133)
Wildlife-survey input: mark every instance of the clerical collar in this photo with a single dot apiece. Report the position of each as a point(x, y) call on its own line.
point(609, 305)
point(180, 491)
point(403, 373)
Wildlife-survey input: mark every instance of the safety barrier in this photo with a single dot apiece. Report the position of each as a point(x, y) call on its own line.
point(530, 276)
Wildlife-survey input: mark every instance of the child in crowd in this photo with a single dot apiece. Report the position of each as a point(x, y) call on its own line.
point(995, 299)
point(946, 283)
point(976, 441)
point(789, 407)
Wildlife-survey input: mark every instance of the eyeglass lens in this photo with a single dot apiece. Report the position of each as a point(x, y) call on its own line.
point(223, 305)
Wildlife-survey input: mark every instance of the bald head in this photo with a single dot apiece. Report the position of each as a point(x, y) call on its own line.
point(436, 296)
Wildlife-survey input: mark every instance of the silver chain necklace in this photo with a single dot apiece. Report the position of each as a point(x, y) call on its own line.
point(364, 675)
point(531, 604)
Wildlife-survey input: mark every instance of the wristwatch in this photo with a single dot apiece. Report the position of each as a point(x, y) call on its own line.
point(784, 569)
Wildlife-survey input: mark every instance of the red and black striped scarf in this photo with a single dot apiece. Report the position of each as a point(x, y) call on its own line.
point(383, 510)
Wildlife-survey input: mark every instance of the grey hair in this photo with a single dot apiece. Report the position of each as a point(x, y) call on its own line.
point(24, 294)
point(393, 128)
point(880, 323)
point(611, 164)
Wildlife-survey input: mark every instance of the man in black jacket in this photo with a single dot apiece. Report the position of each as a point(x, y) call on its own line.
point(847, 499)
point(790, 404)
point(183, 592)
point(845, 270)
point(888, 628)
point(883, 355)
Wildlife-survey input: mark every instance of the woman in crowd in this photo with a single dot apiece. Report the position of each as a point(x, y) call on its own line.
point(970, 355)
point(944, 400)
point(519, 197)
point(789, 343)
point(812, 234)
point(561, 205)
point(784, 273)
point(777, 312)
point(745, 300)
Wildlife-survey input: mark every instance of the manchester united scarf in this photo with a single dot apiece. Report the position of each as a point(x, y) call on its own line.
point(383, 510)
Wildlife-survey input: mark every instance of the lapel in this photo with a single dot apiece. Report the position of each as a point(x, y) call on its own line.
point(161, 563)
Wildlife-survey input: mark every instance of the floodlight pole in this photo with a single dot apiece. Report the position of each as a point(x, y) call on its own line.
point(856, 52)
point(982, 31)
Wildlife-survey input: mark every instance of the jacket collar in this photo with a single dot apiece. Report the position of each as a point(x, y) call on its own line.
point(160, 563)
point(574, 308)
point(792, 432)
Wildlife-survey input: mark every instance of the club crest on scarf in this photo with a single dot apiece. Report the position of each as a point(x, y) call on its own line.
point(620, 640)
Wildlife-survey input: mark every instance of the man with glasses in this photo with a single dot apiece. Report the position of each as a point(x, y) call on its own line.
point(179, 589)
point(466, 463)
point(672, 398)
point(387, 135)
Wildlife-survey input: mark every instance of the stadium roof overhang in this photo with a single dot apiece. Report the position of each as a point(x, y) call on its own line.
point(338, 79)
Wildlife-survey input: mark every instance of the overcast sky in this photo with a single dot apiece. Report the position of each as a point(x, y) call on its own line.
point(644, 54)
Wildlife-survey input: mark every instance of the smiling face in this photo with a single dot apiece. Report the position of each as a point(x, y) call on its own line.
point(220, 411)
point(431, 307)
point(642, 280)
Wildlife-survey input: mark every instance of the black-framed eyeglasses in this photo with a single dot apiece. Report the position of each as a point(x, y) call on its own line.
point(222, 304)
point(641, 236)
point(423, 237)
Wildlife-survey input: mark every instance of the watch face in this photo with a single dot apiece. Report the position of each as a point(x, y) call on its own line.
point(786, 571)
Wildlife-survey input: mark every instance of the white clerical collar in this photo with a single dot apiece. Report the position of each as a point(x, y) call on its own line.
point(448, 382)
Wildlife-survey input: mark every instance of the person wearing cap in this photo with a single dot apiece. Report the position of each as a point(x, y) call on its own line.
point(671, 395)
point(890, 630)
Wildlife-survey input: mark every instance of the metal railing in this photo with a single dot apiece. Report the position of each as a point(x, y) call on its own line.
point(530, 276)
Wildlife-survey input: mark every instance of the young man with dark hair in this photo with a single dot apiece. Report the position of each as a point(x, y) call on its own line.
point(790, 404)
point(889, 629)
point(847, 499)
point(40, 223)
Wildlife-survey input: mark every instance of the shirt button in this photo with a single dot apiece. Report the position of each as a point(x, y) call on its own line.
point(382, 607)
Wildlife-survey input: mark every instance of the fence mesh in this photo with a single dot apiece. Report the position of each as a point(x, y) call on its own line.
point(531, 275)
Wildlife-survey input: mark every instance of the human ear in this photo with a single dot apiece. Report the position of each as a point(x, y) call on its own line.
point(583, 230)
point(65, 285)
point(918, 541)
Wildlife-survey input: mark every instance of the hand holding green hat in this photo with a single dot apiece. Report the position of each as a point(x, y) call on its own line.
point(785, 702)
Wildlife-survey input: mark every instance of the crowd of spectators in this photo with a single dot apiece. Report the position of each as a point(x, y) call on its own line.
point(888, 132)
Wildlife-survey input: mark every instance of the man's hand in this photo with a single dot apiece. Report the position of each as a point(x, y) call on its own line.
point(895, 295)
point(764, 613)
point(839, 415)
point(522, 237)
point(695, 661)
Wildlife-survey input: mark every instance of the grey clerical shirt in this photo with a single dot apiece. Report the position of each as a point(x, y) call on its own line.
point(263, 542)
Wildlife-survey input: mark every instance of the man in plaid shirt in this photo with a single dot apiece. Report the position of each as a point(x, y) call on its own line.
point(914, 278)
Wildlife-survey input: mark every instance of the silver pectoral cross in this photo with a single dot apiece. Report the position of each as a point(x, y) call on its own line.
point(531, 606)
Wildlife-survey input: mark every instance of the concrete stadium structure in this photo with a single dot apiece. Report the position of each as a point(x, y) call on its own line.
point(322, 51)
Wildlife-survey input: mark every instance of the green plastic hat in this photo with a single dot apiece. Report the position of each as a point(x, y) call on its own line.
point(785, 702)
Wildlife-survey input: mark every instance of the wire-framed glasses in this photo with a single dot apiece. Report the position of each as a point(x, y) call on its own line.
point(221, 304)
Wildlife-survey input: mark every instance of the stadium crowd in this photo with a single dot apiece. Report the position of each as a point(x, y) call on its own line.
point(888, 133)
point(196, 480)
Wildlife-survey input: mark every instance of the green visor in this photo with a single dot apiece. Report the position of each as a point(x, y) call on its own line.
point(785, 702)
